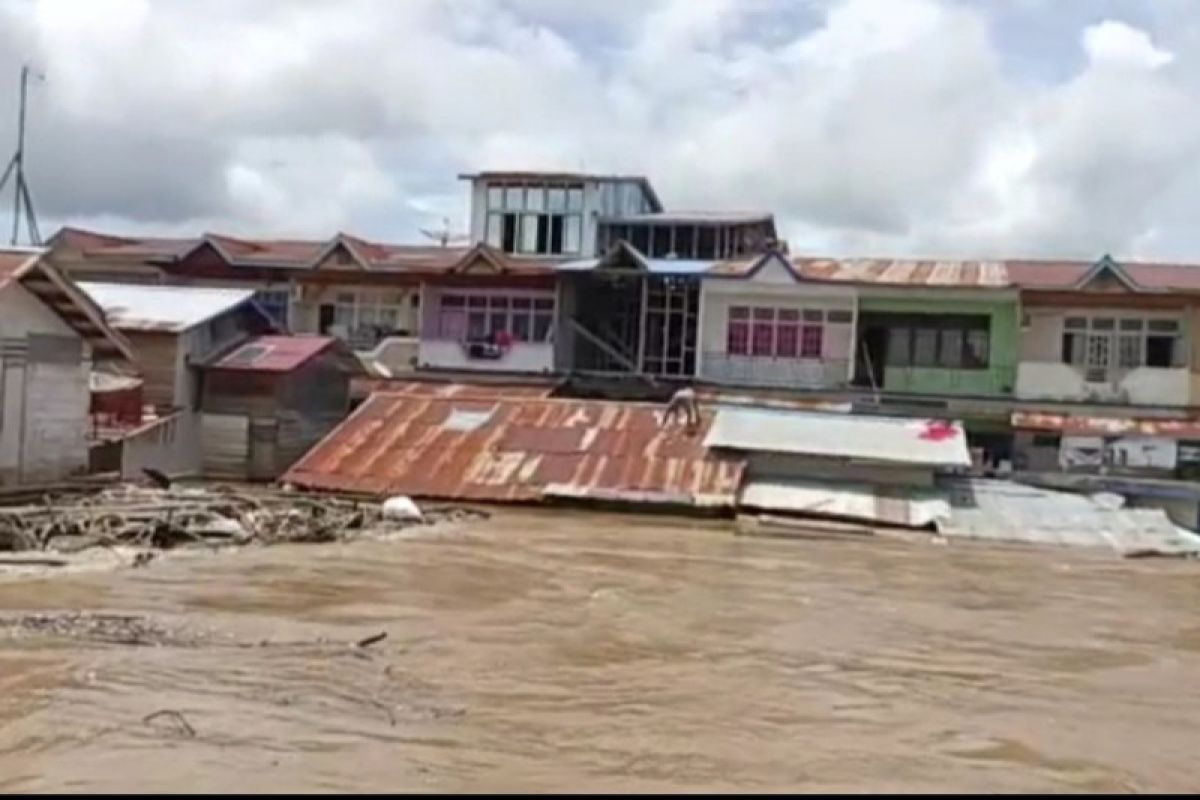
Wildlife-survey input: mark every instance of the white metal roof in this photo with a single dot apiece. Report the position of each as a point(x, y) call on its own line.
point(1006, 511)
point(926, 442)
point(891, 505)
point(172, 309)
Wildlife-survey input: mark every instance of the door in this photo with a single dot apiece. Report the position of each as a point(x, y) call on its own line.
point(325, 317)
point(872, 357)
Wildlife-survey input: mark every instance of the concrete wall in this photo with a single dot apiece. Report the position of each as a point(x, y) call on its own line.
point(522, 357)
point(1000, 376)
point(773, 285)
point(44, 392)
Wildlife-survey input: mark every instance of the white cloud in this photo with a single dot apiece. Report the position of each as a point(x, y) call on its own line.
point(864, 124)
point(1115, 42)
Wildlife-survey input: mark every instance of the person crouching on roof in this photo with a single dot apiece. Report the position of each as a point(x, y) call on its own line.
point(683, 404)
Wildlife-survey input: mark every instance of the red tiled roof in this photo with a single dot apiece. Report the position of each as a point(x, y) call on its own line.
point(274, 353)
point(503, 449)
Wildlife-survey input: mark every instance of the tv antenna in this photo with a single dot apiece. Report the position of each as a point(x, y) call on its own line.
point(444, 236)
point(22, 201)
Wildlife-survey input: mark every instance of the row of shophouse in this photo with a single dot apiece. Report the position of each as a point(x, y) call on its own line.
point(587, 278)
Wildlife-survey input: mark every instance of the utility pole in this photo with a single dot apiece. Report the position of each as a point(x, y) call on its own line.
point(22, 201)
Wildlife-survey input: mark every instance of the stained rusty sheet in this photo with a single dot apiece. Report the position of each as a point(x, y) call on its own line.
point(508, 450)
point(451, 390)
point(1107, 426)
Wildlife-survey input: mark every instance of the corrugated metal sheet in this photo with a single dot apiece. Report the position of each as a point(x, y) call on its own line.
point(905, 272)
point(932, 443)
point(1005, 511)
point(1107, 426)
point(519, 450)
point(225, 442)
point(411, 388)
point(274, 353)
point(655, 266)
point(170, 309)
point(913, 508)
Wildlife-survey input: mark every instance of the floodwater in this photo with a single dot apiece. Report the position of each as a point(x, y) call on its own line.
point(548, 651)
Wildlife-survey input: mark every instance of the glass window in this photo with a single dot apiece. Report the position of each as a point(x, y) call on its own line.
point(575, 199)
point(498, 302)
point(452, 323)
point(345, 298)
point(763, 332)
point(367, 315)
point(1164, 325)
point(976, 354)
point(544, 303)
point(477, 322)
point(1104, 324)
point(495, 230)
point(522, 326)
point(787, 335)
point(813, 315)
point(1075, 323)
point(1072, 348)
point(899, 347)
point(1131, 324)
point(1129, 352)
point(525, 303)
point(811, 340)
point(453, 301)
point(535, 198)
point(530, 225)
point(477, 301)
point(543, 324)
point(841, 316)
point(514, 198)
point(389, 318)
point(925, 342)
point(1099, 347)
point(737, 333)
point(495, 197)
point(557, 200)
point(950, 348)
point(573, 234)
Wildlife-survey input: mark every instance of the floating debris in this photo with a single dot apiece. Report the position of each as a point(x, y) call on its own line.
point(171, 517)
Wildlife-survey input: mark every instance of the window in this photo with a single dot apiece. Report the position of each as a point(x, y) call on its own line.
point(737, 333)
point(535, 219)
point(811, 339)
point(787, 333)
point(275, 303)
point(465, 316)
point(765, 332)
point(939, 342)
point(925, 342)
point(763, 342)
point(1100, 344)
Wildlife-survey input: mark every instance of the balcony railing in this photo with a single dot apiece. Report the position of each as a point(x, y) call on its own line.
point(791, 373)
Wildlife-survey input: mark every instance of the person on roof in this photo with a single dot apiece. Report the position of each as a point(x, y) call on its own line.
point(683, 404)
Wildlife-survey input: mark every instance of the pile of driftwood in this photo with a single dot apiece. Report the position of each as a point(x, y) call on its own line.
point(157, 518)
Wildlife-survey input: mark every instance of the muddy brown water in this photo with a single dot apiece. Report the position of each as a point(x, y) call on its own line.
point(543, 651)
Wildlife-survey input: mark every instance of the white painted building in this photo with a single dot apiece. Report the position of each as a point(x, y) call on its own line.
point(50, 335)
point(761, 324)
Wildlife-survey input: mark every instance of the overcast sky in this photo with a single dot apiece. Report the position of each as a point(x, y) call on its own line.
point(992, 128)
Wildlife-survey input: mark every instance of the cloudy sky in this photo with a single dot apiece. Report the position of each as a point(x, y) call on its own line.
point(957, 127)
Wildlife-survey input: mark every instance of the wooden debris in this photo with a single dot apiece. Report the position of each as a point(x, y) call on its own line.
point(180, 724)
point(177, 516)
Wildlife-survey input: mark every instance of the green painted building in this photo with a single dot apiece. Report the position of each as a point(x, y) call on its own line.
point(941, 343)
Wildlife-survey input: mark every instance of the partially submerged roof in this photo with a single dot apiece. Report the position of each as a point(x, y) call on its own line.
point(504, 449)
point(864, 502)
point(274, 353)
point(170, 309)
point(1005, 511)
point(29, 269)
point(931, 443)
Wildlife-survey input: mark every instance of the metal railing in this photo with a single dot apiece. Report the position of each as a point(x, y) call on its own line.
point(775, 372)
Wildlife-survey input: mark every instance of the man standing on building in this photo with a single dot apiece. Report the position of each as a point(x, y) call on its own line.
point(683, 403)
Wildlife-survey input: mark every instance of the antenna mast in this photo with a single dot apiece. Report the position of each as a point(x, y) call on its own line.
point(22, 201)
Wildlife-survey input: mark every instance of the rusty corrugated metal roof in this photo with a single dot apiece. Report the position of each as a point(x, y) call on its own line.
point(453, 390)
point(905, 272)
point(274, 353)
point(512, 450)
point(1107, 426)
